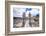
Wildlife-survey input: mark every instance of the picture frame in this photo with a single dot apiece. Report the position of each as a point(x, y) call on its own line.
point(9, 5)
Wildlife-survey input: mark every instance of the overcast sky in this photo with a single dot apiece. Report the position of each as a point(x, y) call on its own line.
point(18, 12)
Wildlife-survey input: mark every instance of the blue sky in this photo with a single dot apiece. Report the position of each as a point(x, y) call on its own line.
point(18, 12)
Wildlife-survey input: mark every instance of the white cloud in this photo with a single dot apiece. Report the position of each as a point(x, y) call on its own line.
point(18, 12)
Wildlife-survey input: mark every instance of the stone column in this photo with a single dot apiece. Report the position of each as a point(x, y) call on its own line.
point(23, 19)
point(30, 19)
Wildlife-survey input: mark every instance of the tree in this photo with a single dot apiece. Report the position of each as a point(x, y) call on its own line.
point(37, 15)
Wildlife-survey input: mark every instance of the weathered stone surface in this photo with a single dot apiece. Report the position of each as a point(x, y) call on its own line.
point(30, 21)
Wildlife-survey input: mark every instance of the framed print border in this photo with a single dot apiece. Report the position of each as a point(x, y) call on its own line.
point(7, 17)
